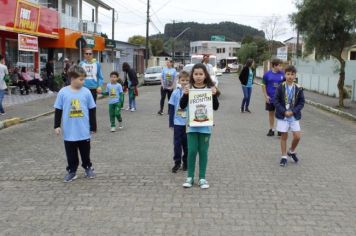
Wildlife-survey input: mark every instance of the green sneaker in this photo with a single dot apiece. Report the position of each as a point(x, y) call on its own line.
point(188, 183)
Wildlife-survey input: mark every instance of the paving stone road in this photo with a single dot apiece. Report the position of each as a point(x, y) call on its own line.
point(135, 192)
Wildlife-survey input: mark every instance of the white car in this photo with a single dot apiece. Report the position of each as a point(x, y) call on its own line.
point(213, 76)
point(153, 75)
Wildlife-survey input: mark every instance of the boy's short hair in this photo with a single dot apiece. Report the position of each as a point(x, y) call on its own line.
point(290, 69)
point(76, 71)
point(184, 74)
point(276, 62)
point(114, 73)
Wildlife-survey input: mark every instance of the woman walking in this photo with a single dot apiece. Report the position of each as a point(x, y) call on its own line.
point(246, 77)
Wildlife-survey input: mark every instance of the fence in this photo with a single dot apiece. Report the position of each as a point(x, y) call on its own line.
point(322, 77)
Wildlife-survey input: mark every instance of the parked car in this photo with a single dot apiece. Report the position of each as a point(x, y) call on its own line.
point(153, 75)
point(213, 76)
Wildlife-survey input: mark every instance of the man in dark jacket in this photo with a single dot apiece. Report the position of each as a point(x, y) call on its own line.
point(130, 85)
point(289, 101)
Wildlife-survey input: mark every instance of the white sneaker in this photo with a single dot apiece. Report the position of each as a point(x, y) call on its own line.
point(188, 183)
point(133, 109)
point(120, 125)
point(113, 129)
point(203, 184)
point(127, 109)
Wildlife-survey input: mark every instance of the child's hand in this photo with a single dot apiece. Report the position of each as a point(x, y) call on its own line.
point(99, 90)
point(268, 99)
point(58, 131)
point(186, 90)
point(214, 90)
point(288, 113)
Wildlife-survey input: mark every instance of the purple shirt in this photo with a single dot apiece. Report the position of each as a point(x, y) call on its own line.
point(271, 81)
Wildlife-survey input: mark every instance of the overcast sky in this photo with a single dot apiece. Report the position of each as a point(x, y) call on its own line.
point(131, 14)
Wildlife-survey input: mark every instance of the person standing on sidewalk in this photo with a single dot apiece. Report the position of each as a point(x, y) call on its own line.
point(50, 74)
point(130, 84)
point(178, 121)
point(94, 78)
point(76, 107)
point(3, 73)
point(168, 79)
point(246, 78)
point(289, 102)
point(270, 82)
point(198, 137)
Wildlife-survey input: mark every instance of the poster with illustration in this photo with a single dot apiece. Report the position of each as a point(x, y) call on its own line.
point(200, 108)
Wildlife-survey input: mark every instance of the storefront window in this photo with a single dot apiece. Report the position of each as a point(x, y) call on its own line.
point(26, 59)
point(11, 52)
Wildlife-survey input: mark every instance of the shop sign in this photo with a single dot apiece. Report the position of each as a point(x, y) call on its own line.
point(27, 43)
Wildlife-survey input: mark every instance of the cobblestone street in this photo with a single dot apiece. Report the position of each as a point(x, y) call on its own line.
point(135, 192)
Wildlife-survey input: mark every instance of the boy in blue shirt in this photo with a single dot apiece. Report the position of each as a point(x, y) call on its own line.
point(75, 106)
point(270, 82)
point(116, 100)
point(289, 101)
point(178, 121)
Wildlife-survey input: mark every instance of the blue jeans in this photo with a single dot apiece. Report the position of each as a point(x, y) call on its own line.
point(132, 99)
point(2, 93)
point(180, 144)
point(247, 97)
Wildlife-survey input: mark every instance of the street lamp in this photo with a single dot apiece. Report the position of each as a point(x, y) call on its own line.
point(175, 38)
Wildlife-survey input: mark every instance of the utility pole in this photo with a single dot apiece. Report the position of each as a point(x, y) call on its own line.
point(147, 54)
point(113, 37)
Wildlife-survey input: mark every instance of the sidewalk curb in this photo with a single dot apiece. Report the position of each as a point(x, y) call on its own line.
point(323, 107)
point(9, 122)
point(17, 120)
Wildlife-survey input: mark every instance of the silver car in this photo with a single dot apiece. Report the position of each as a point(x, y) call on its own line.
point(153, 75)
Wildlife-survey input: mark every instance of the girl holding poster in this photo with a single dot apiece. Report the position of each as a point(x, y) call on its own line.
point(201, 98)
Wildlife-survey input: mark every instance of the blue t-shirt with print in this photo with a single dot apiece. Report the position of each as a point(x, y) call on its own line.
point(168, 77)
point(114, 91)
point(180, 115)
point(271, 81)
point(75, 106)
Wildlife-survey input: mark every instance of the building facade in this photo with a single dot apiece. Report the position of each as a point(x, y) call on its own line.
point(221, 49)
point(32, 32)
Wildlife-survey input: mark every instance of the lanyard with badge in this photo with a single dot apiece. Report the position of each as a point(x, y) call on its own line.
point(289, 96)
point(181, 112)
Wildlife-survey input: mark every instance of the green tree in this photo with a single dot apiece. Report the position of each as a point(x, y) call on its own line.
point(157, 46)
point(328, 26)
point(248, 50)
point(137, 39)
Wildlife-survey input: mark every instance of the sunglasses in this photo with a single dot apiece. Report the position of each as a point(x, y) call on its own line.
point(88, 53)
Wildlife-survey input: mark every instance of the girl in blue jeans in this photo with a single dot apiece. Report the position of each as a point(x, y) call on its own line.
point(246, 77)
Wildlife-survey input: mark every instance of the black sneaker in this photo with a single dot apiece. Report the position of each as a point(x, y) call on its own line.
point(242, 110)
point(185, 167)
point(293, 156)
point(247, 110)
point(283, 162)
point(270, 133)
point(175, 168)
point(279, 134)
point(160, 113)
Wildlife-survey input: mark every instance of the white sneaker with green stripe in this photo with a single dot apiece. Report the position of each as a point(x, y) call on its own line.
point(188, 183)
point(203, 184)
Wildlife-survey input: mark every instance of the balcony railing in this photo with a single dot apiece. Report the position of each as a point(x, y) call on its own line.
point(84, 26)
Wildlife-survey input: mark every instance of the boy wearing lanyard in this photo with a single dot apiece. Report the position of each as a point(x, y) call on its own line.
point(289, 101)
